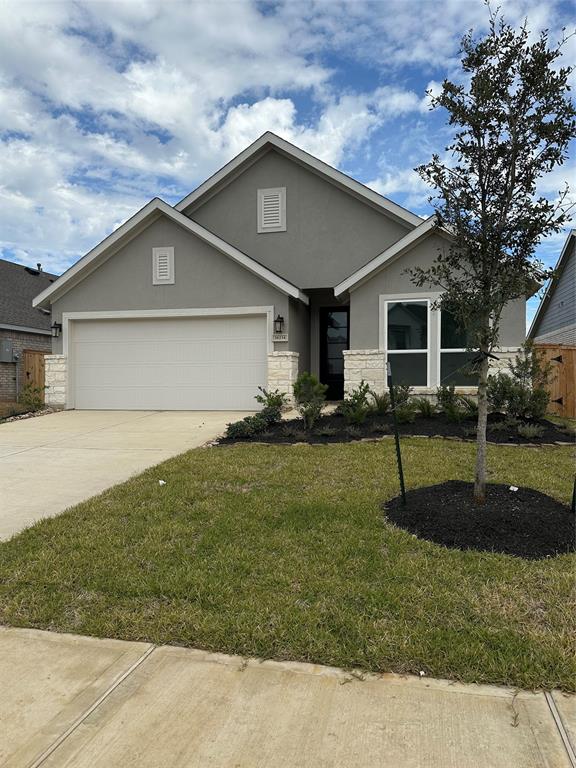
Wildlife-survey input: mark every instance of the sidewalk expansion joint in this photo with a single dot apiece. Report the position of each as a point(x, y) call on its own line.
point(561, 729)
point(54, 746)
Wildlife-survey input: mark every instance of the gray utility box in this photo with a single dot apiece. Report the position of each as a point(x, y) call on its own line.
point(6, 351)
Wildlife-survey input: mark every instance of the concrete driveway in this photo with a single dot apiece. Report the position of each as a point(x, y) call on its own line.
point(51, 462)
point(79, 702)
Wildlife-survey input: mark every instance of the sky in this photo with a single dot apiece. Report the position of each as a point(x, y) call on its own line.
point(104, 105)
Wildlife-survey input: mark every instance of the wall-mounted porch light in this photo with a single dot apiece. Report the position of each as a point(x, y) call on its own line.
point(56, 329)
point(279, 324)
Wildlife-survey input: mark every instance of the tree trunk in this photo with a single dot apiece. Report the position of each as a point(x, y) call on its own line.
point(480, 476)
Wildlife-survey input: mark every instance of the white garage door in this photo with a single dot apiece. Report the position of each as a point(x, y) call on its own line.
point(196, 363)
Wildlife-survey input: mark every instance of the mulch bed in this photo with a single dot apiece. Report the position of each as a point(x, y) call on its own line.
point(525, 523)
point(332, 428)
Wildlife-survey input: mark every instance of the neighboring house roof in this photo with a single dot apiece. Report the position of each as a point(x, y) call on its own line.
point(551, 287)
point(145, 216)
point(396, 249)
point(18, 287)
point(270, 141)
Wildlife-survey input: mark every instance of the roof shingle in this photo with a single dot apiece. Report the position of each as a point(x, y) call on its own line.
point(18, 286)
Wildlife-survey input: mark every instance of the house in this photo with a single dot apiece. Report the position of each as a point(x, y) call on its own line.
point(555, 318)
point(278, 263)
point(23, 328)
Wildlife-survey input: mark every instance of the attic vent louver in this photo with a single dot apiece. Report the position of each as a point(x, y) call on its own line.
point(163, 266)
point(272, 210)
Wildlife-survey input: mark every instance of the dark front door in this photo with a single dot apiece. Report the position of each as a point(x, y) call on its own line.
point(334, 339)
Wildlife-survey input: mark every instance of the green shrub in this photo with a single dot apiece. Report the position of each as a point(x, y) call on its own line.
point(353, 432)
point(498, 426)
point(271, 414)
point(381, 403)
point(356, 405)
point(470, 406)
point(530, 431)
point(405, 413)
point(425, 407)
point(446, 397)
point(31, 397)
point(402, 393)
point(521, 393)
point(274, 399)
point(469, 431)
point(310, 395)
point(247, 427)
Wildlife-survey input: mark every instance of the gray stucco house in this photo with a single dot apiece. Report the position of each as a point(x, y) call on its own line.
point(277, 263)
point(555, 319)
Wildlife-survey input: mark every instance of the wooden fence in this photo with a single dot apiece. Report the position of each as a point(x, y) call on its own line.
point(562, 385)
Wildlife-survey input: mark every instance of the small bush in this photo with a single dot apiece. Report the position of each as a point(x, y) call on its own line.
point(381, 429)
point(402, 394)
point(530, 431)
point(446, 397)
point(247, 427)
point(310, 395)
point(521, 393)
point(381, 404)
point(470, 406)
point(455, 413)
point(356, 405)
point(353, 432)
point(274, 399)
point(31, 397)
point(498, 426)
point(405, 413)
point(425, 407)
point(469, 431)
point(271, 414)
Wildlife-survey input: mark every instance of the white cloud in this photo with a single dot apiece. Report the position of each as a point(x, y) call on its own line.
point(103, 105)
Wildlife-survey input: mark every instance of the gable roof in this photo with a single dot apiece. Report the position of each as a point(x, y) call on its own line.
point(133, 226)
point(396, 249)
point(270, 141)
point(18, 286)
point(551, 287)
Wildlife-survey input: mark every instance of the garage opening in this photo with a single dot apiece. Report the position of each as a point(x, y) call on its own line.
point(178, 363)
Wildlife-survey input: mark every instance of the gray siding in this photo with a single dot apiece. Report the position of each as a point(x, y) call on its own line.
point(204, 278)
point(329, 232)
point(560, 310)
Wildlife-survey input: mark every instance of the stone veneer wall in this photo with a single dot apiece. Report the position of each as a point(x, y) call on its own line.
point(364, 364)
point(55, 373)
point(502, 364)
point(283, 371)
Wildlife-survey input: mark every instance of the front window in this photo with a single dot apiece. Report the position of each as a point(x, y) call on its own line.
point(455, 360)
point(408, 341)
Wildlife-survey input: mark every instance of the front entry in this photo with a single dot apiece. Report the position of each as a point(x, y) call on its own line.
point(334, 339)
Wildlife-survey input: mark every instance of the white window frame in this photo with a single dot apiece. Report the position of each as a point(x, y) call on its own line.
point(450, 349)
point(156, 252)
point(281, 191)
point(420, 300)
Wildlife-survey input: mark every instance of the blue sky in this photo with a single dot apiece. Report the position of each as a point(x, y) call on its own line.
point(105, 105)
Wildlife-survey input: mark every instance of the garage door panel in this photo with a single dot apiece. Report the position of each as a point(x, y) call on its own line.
point(176, 363)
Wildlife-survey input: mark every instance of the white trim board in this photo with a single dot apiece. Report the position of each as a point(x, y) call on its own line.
point(134, 225)
point(24, 329)
point(270, 140)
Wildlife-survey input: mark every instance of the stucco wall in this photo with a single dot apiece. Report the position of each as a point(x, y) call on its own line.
point(364, 301)
point(329, 233)
point(203, 278)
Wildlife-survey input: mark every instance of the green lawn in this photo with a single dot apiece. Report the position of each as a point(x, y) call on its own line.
point(284, 552)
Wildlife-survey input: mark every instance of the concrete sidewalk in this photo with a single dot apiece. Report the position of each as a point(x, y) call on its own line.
point(76, 701)
point(51, 462)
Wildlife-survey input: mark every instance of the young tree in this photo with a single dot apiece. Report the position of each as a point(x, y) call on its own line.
point(514, 121)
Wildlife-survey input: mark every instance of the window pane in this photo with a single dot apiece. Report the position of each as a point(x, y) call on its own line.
point(408, 325)
point(455, 369)
point(452, 336)
point(409, 369)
